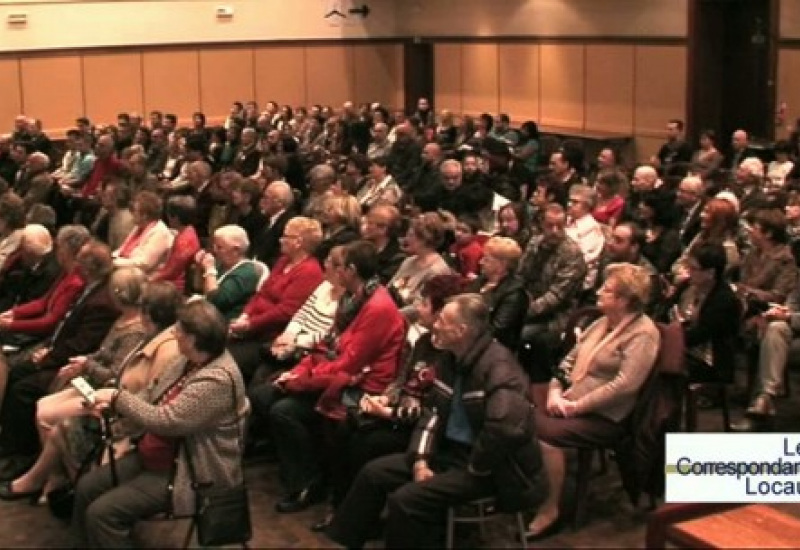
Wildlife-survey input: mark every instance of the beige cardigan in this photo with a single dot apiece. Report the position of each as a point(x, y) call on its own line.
point(617, 371)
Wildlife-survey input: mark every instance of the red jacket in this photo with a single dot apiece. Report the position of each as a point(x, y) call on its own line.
point(469, 256)
point(43, 315)
point(101, 169)
point(281, 295)
point(184, 248)
point(374, 339)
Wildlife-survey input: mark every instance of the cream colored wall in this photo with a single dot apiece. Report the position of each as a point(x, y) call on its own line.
point(80, 24)
point(552, 18)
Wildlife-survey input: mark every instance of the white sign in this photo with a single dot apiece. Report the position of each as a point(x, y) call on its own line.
point(731, 467)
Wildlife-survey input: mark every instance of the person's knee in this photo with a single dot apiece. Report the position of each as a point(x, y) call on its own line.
point(778, 331)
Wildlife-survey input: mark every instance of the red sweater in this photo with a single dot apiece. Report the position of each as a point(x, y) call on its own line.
point(281, 295)
point(101, 169)
point(184, 247)
point(41, 316)
point(374, 339)
point(469, 256)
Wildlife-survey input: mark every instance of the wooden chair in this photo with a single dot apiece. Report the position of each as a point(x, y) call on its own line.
point(479, 512)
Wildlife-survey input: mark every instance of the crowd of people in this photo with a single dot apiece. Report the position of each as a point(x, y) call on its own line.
point(374, 298)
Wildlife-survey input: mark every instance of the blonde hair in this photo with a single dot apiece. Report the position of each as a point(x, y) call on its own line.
point(310, 232)
point(345, 208)
point(505, 249)
point(632, 283)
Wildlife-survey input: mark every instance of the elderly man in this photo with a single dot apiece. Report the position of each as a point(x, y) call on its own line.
point(277, 203)
point(584, 229)
point(690, 199)
point(380, 144)
point(553, 271)
point(248, 156)
point(645, 181)
point(750, 186)
point(31, 273)
point(473, 440)
point(381, 227)
point(35, 183)
point(740, 150)
point(459, 197)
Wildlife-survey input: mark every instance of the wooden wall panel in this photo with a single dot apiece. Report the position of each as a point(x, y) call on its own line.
point(10, 96)
point(480, 91)
point(660, 87)
point(112, 84)
point(280, 75)
point(378, 73)
point(172, 82)
point(609, 88)
point(788, 88)
point(447, 77)
point(563, 99)
point(330, 74)
point(52, 90)
point(519, 80)
point(226, 75)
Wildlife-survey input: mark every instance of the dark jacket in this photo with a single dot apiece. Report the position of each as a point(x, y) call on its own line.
point(465, 199)
point(21, 284)
point(343, 236)
point(494, 394)
point(508, 304)
point(267, 245)
point(389, 260)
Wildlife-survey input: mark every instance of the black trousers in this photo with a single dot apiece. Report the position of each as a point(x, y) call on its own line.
point(26, 385)
point(539, 352)
point(417, 511)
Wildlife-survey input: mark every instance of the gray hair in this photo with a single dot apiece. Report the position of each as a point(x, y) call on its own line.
point(450, 163)
point(72, 237)
point(39, 158)
point(323, 172)
point(127, 285)
point(694, 183)
point(235, 235)
point(585, 194)
point(472, 311)
point(283, 192)
point(36, 239)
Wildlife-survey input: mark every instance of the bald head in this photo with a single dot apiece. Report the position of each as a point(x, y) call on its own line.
point(644, 178)
point(432, 153)
point(38, 161)
point(36, 240)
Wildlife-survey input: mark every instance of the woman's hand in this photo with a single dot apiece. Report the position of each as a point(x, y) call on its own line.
point(240, 325)
point(75, 367)
point(421, 471)
point(376, 406)
point(778, 313)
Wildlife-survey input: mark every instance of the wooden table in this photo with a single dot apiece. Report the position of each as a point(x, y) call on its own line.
point(747, 526)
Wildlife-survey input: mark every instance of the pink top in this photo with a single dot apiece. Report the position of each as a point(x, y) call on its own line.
point(609, 211)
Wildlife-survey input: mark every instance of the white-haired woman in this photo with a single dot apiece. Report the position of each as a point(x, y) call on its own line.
point(602, 376)
point(229, 278)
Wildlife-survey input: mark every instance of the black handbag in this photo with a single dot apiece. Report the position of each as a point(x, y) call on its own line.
point(222, 515)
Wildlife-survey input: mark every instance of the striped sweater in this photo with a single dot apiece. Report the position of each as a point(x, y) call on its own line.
point(313, 320)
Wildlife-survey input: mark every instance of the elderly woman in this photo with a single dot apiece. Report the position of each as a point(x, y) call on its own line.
point(33, 321)
point(380, 187)
point(180, 216)
point(341, 218)
point(197, 415)
point(388, 419)
point(584, 229)
point(292, 280)
point(602, 377)
point(426, 235)
point(12, 220)
point(503, 292)
point(68, 444)
point(229, 278)
point(148, 244)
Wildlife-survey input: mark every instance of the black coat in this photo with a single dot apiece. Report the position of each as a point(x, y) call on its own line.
point(21, 284)
point(508, 303)
point(267, 245)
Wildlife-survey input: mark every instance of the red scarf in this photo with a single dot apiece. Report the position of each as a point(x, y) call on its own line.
point(132, 240)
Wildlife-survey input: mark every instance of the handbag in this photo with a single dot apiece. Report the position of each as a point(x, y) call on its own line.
point(222, 515)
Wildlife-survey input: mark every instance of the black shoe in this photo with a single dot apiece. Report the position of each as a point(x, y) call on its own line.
point(7, 493)
point(297, 502)
point(322, 526)
point(548, 531)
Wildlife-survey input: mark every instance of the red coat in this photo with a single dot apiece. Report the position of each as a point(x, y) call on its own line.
point(374, 339)
point(43, 315)
point(184, 248)
point(281, 295)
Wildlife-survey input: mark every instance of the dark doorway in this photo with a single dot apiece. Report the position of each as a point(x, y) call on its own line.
point(418, 73)
point(732, 67)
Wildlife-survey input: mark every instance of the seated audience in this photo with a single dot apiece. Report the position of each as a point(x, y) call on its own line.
point(361, 354)
point(502, 290)
point(114, 221)
point(778, 169)
point(690, 201)
point(31, 372)
point(380, 226)
point(662, 244)
point(180, 213)
point(198, 417)
point(426, 234)
point(461, 449)
point(148, 243)
point(294, 277)
point(34, 183)
point(584, 229)
point(380, 186)
point(277, 204)
point(707, 160)
point(341, 218)
point(245, 196)
point(467, 250)
point(12, 220)
point(609, 204)
point(229, 278)
point(514, 222)
point(600, 381)
point(33, 271)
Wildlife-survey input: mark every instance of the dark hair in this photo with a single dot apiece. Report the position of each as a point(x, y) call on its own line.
point(43, 214)
point(772, 221)
point(382, 161)
point(488, 121)
point(160, 302)
point(183, 208)
point(611, 178)
point(662, 207)
point(783, 146)
point(439, 288)
point(520, 210)
point(199, 115)
point(362, 256)
point(710, 134)
point(172, 118)
point(288, 145)
point(95, 260)
point(73, 133)
point(638, 235)
point(12, 210)
point(470, 220)
point(529, 127)
point(361, 162)
point(677, 122)
point(197, 144)
point(122, 192)
point(202, 320)
point(710, 256)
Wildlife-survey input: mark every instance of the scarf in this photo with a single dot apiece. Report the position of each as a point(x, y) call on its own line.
point(597, 337)
point(133, 240)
